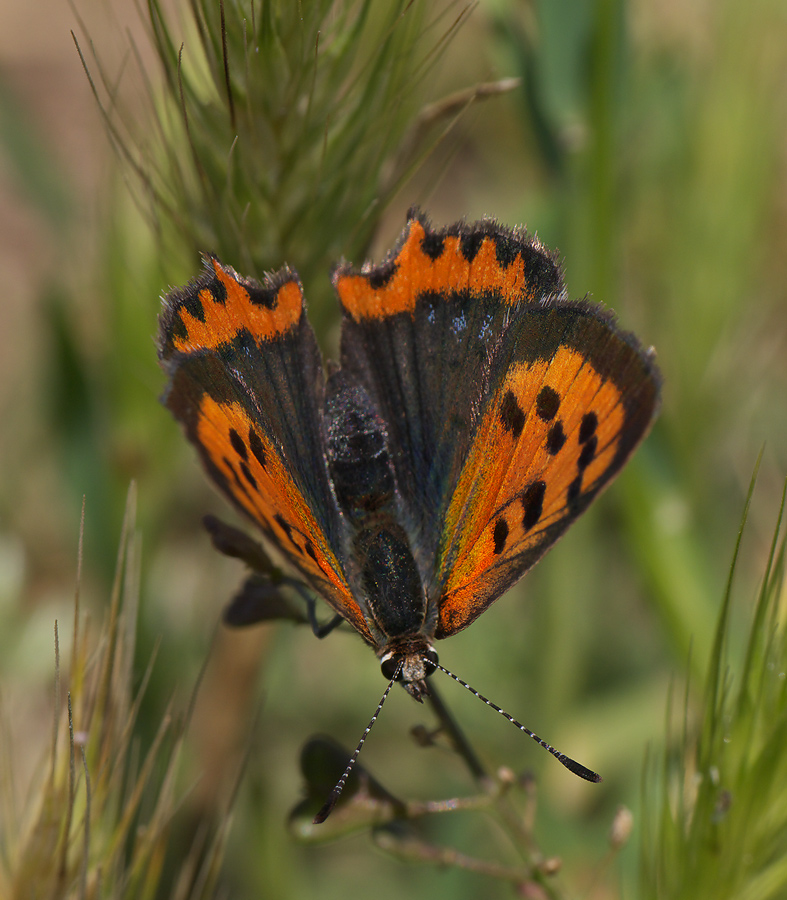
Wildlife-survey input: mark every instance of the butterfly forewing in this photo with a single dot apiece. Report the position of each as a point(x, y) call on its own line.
point(247, 384)
point(558, 429)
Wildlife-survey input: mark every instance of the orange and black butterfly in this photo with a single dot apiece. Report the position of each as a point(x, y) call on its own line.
point(475, 414)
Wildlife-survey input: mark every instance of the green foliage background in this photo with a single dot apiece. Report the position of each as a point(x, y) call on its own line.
point(647, 143)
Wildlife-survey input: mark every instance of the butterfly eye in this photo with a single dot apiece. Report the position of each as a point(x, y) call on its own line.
point(389, 667)
point(431, 660)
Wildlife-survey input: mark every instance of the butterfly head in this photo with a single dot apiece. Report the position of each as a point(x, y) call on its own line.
point(410, 665)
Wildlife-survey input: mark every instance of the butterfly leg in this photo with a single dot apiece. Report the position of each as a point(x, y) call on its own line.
point(319, 629)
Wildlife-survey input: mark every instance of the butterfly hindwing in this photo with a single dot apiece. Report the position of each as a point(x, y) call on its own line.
point(246, 382)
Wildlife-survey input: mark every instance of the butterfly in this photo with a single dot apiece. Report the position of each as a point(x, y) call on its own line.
point(475, 413)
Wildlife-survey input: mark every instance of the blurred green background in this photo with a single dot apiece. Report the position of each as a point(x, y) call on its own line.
point(646, 142)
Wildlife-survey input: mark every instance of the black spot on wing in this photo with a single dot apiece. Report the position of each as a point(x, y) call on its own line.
point(237, 442)
point(256, 447)
point(193, 305)
point(283, 524)
point(218, 291)
point(533, 504)
point(574, 491)
point(556, 438)
point(470, 243)
point(507, 248)
point(547, 403)
point(588, 452)
point(432, 245)
point(261, 296)
point(380, 276)
point(177, 331)
point(511, 414)
point(588, 427)
point(500, 536)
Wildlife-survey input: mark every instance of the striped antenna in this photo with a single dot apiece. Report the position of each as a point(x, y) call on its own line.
point(329, 804)
point(571, 764)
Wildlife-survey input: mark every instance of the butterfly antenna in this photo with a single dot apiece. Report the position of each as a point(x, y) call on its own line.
point(329, 804)
point(571, 764)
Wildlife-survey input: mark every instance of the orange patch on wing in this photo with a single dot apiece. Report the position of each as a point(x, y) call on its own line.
point(223, 320)
point(260, 483)
point(416, 273)
point(492, 516)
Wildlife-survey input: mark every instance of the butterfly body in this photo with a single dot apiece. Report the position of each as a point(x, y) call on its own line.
point(380, 561)
point(475, 413)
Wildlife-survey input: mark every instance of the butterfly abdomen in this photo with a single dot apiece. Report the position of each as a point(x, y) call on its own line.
point(389, 578)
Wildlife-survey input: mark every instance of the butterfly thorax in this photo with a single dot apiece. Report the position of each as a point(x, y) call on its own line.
point(385, 573)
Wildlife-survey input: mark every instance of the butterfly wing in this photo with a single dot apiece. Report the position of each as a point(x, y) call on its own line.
point(247, 384)
point(574, 400)
point(503, 399)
